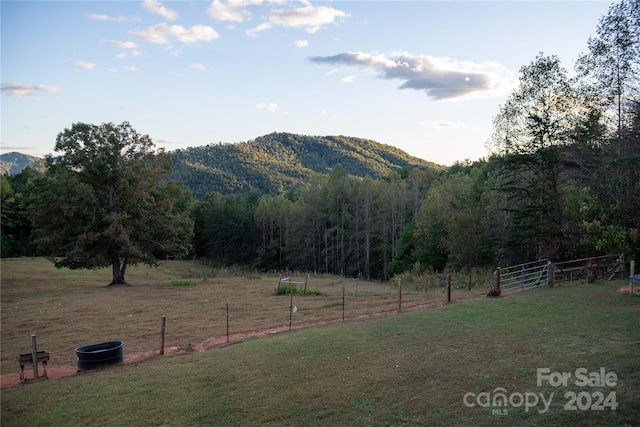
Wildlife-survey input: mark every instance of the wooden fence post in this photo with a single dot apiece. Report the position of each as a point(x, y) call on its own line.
point(343, 303)
point(399, 295)
point(306, 280)
point(227, 322)
point(34, 356)
point(290, 310)
point(632, 272)
point(163, 323)
point(279, 281)
point(550, 273)
point(448, 288)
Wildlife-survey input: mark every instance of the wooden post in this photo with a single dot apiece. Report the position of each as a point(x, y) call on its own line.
point(290, 310)
point(34, 356)
point(357, 281)
point(227, 322)
point(632, 273)
point(498, 278)
point(343, 303)
point(399, 295)
point(163, 323)
point(306, 280)
point(278, 288)
point(448, 288)
point(550, 273)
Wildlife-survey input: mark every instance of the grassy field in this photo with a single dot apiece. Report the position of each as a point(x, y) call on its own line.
point(411, 369)
point(67, 309)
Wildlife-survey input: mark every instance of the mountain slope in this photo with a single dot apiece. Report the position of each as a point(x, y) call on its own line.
point(13, 163)
point(272, 163)
point(279, 161)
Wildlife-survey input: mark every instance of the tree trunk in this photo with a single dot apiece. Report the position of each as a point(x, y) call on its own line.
point(118, 272)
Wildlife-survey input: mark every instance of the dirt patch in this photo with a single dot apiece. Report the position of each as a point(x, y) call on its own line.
point(13, 379)
point(625, 289)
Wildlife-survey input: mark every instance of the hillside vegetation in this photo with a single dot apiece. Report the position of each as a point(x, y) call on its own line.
point(277, 162)
point(13, 163)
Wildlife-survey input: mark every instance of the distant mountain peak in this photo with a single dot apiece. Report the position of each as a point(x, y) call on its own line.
point(13, 163)
point(279, 161)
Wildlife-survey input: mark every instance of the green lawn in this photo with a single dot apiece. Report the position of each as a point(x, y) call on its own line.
point(410, 369)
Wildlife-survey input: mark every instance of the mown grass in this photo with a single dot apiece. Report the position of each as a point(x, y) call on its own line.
point(411, 369)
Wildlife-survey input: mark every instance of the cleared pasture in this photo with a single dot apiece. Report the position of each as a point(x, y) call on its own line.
point(412, 369)
point(67, 309)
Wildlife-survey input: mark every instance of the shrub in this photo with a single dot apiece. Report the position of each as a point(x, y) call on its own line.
point(291, 288)
point(286, 289)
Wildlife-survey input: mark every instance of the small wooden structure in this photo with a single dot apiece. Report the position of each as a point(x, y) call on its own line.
point(28, 358)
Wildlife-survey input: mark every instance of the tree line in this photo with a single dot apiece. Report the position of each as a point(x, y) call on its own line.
point(561, 181)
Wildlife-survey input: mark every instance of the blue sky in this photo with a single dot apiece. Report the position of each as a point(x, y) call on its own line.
point(424, 76)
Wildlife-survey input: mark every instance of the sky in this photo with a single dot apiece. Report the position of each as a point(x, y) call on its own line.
point(424, 76)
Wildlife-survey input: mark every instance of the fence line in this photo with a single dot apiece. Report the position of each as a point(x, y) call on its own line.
point(590, 269)
point(543, 272)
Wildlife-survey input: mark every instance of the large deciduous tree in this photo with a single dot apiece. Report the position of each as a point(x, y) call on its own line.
point(612, 65)
point(105, 201)
point(530, 131)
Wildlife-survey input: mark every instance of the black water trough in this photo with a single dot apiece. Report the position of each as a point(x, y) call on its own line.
point(98, 355)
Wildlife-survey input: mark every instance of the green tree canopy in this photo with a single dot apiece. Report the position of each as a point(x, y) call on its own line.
point(105, 201)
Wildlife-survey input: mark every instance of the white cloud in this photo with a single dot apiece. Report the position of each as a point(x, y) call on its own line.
point(255, 30)
point(161, 33)
point(173, 51)
point(131, 46)
point(309, 18)
point(443, 124)
point(439, 77)
point(156, 7)
point(232, 10)
point(83, 65)
point(101, 17)
point(18, 90)
point(122, 44)
point(130, 68)
point(269, 106)
point(348, 79)
point(197, 66)
point(301, 43)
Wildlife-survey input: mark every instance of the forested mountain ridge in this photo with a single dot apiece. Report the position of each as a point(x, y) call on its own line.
point(13, 163)
point(277, 162)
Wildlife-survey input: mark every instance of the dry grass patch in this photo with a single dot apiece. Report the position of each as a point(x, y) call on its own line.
point(71, 308)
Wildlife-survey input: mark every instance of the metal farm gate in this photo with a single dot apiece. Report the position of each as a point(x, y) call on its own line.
point(542, 272)
point(522, 277)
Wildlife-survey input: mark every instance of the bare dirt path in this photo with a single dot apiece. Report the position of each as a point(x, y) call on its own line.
point(53, 371)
